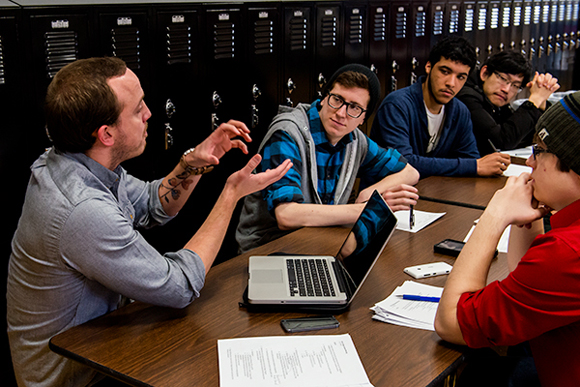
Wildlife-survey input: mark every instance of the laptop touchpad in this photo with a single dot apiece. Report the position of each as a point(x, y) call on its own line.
point(267, 276)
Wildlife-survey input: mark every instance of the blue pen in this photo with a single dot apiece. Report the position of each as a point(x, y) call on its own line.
point(414, 297)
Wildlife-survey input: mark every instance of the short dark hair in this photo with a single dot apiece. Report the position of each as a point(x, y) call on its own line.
point(510, 62)
point(79, 101)
point(455, 48)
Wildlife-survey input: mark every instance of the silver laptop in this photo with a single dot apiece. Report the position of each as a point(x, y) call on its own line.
point(324, 280)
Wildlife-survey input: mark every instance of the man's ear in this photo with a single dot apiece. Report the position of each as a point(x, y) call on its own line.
point(105, 135)
point(483, 74)
point(427, 67)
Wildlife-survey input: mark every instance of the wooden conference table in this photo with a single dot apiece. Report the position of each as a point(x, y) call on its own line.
point(145, 345)
point(473, 192)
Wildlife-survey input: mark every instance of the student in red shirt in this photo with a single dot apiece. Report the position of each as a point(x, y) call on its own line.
point(539, 301)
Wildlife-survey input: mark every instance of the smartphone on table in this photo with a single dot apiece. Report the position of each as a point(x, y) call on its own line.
point(303, 324)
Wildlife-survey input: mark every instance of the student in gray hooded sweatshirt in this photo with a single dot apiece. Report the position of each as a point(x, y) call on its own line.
point(328, 152)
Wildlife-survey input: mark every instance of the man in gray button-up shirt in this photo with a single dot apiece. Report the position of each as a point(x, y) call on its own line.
point(76, 254)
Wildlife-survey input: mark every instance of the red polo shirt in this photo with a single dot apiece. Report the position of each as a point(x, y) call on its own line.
point(539, 301)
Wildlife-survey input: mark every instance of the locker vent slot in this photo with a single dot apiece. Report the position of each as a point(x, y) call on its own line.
point(420, 23)
point(355, 35)
point(517, 16)
point(438, 22)
point(328, 31)
point(482, 19)
point(224, 40)
point(527, 15)
point(125, 44)
point(546, 13)
point(178, 44)
point(537, 14)
point(60, 48)
point(2, 69)
point(454, 21)
point(263, 37)
point(298, 33)
point(401, 25)
point(469, 19)
point(380, 27)
point(494, 18)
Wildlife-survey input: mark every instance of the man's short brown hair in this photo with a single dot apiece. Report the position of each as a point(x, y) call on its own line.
point(79, 101)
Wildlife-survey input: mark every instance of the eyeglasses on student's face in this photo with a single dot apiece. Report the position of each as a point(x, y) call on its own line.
point(514, 85)
point(352, 109)
point(536, 150)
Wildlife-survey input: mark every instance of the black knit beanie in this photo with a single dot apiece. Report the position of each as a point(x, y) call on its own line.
point(374, 84)
point(559, 129)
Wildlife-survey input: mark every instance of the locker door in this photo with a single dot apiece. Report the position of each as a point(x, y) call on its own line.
point(439, 22)
point(481, 32)
point(298, 55)
point(544, 47)
point(225, 66)
point(356, 33)
point(497, 34)
point(469, 22)
point(379, 43)
point(328, 54)
point(400, 71)
point(177, 58)
point(568, 46)
point(518, 40)
point(123, 33)
point(526, 38)
point(264, 52)
point(554, 54)
point(454, 18)
point(535, 33)
point(420, 39)
point(57, 37)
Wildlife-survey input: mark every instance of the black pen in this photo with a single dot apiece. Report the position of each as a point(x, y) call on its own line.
point(411, 218)
point(492, 146)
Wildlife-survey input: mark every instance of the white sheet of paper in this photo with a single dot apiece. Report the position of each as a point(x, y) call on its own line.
point(502, 245)
point(516, 170)
point(521, 152)
point(422, 219)
point(413, 314)
point(305, 361)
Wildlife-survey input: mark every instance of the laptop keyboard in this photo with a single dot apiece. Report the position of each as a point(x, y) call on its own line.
point(309, 277)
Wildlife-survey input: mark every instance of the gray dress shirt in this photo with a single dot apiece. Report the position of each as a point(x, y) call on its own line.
point(76, 255)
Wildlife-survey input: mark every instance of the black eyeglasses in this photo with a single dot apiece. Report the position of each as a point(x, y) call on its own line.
point(517, 87)
point(536, 150)
point(336, 102)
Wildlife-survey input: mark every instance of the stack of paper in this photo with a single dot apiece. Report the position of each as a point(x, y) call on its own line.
point(306, 361)
point(415, 314)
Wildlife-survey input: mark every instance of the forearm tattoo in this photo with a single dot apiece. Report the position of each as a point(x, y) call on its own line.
point(173, 191)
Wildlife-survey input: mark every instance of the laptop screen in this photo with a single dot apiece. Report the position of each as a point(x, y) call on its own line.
point(367, 239)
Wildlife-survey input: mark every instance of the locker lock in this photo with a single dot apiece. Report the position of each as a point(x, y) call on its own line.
point(414, 63)
point(321, 80)
point(168, 136)
point(374, 69)
point(489, 49)
point(290, 85)
point(395, 66)
point(256, 92)
point(512, 45)
point(169, 108)
point(501, 47)
point(216, 99)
